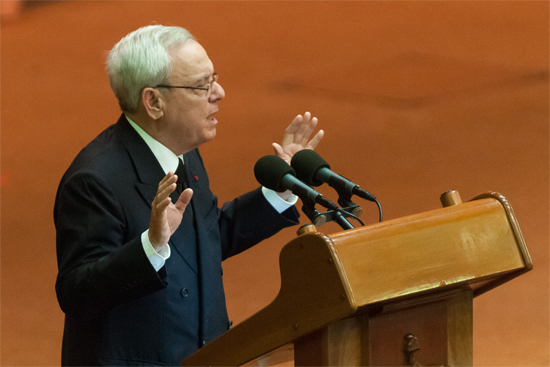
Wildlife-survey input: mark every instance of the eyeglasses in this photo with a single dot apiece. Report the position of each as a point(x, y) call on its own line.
point(207, 88)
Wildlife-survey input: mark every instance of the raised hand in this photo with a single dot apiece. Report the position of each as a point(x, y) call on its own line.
point(297, 135)
point(165, 215)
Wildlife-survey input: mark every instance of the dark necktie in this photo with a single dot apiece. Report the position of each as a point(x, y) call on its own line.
point(184, 239)
point(182, 177)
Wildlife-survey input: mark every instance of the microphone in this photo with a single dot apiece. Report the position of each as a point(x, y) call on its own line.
point(314, 170)
point(275, 174)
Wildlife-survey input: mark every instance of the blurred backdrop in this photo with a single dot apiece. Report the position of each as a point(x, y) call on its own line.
point(416, 98)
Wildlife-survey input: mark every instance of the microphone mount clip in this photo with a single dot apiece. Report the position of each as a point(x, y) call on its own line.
point(339, 215)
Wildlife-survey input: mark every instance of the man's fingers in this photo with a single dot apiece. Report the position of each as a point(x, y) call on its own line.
point(166, 178)
point(316, 139)
point(294, 125)
point(307, 117)
point(303, 136)
point(302, 127)
point(162, 204)
point(305, 126)
point(297, 136)
point(164, 191)
point(166, 184)
point(278, 150)
point(184, 199)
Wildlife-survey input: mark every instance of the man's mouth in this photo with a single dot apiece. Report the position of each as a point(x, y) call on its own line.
point(212, 118)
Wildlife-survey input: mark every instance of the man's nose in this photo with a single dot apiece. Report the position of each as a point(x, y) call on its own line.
point(217, 92)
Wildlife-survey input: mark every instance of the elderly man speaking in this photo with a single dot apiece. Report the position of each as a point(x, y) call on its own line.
point(140, 236)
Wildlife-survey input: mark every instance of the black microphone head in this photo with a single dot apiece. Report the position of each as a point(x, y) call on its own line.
point(270, 170)
point(306, 163)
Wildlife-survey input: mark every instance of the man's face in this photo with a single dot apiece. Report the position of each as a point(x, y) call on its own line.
point(188, 119)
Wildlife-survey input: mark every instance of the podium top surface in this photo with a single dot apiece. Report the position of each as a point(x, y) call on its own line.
point(472, 243)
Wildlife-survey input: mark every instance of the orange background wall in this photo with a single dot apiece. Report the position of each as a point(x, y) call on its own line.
point(416, 98)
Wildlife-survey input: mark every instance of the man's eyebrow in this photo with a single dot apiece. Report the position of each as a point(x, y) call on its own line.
point(204, 78)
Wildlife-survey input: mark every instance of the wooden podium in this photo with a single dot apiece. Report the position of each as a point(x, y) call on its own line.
point(395, 293)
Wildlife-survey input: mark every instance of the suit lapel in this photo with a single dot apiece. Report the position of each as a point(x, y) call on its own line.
point(147, 167)
point(150, 173)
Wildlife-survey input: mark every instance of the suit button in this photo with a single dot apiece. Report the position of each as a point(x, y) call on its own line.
point(221, 270)
point(184, 292)
point(203, 343)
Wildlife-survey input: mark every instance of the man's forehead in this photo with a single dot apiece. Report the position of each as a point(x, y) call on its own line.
point(191, 61)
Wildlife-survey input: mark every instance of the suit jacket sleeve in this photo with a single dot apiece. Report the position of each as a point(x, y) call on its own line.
point(250, 219)
point(98, 267)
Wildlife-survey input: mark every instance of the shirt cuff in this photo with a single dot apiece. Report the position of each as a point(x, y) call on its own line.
point(157, 259)
point(278, 203)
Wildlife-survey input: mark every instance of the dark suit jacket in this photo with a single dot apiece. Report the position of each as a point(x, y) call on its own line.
point(119, 310)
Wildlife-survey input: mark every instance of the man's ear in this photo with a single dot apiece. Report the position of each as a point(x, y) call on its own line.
point(153, 102)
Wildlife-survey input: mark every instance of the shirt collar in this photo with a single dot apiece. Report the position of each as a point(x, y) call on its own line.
point(167, 159)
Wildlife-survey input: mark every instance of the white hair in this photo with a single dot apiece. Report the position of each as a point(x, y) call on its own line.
point(142, 59)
